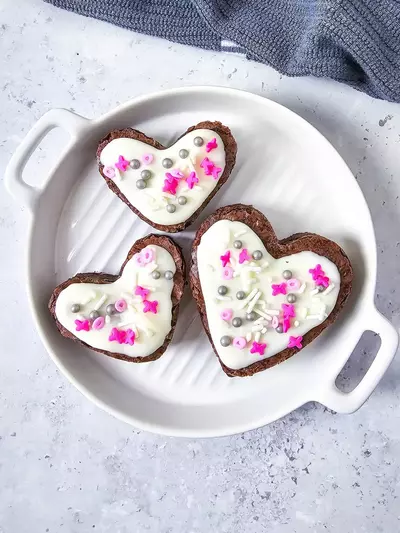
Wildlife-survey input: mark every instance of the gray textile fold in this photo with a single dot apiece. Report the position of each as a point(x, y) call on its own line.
point(356, 42)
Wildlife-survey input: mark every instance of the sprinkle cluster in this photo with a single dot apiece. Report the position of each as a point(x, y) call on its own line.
point(128, 310)
point(181, 175)
point(250, 313)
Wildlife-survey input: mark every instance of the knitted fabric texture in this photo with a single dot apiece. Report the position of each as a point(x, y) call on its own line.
point(356, 42)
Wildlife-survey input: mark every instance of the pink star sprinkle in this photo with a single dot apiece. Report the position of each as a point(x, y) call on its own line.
point(147, 159)
point(239, 342)
point(207, 165)
point(122, 164)
point(258, 347)
point(130, 337)
point(244, 256)
point(82, 325)
point(142, 292)
point(322, 280)
point(295, 342)
point(227, 273)
point(109, 172)
point(211, 145)
point(316, 272)
point(191, 180)
point(150, 306)
point(118, 335)
point(215, 171)
point(278, 289)
point(288, 310)
point(170, 184)
point(285, 324)
point(225, 258)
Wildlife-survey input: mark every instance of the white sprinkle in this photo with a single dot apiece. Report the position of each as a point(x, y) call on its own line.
point(302, 289)
point(263, 331)
point(252, 269)
point(186, 189)
point(248, 335)
point(328, 289)
point(296, 323)
point(245, 281)
point(260, 320)
point(102, 300)
point(265, 265)
point(257, 328)
point(223, 298)
point(137, 300)
point(314, 291)
point(80, 317)
point(313, 317)
point(233, 262)
point(132, 307)
point(91, 296)
point(108, 319)
point(155, 208)
point(168, 195)
point(272, 312)
point(253, 302)
point(252, 281)
point(240, 233)
point(269, 279)
point(257, 336)
point(211, 267)
point(134, 278)
point(244, 302)
point(261, 313)
point(151, 267)
point(124, 323)
point(262, 303)
point(198, 188)
point(126, 295)
point(118, 174)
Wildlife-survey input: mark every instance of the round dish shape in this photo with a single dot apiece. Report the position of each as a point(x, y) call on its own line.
point(287, 170)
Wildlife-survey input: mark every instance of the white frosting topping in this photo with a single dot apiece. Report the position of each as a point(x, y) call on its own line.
point(152, 201)
point(255, 278)
point(149, 329)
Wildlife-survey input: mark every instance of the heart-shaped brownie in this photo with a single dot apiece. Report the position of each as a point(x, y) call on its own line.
point(168, 187)
point(260, 299)
point(130, 316)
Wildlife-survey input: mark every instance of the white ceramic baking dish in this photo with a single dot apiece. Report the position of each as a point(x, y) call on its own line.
point(285, 168)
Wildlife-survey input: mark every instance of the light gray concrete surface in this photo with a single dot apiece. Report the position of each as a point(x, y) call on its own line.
point(67, 466)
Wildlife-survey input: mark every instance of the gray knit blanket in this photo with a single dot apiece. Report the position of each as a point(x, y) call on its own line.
point(356, 42)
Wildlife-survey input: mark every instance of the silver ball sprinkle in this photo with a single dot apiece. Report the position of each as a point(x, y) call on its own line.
point(168, 274)
point(279, 329)
point(321, 288)
point(183, 153)
point(135, 164)
point(251, 316)
point(171, 208)
point(155, 274)
point(198, 141)
point(237, 244)
point(287, 274)
point(75, 308)
point(167, 162)
point(110, 309)
point(236, 322)
point(291, 298)
point(141, 184)
point(145, 174)
point(222, 290)
point(94, 314)
point(225, 341)
point(240, 295)
point(182, 200)
point(257, 255)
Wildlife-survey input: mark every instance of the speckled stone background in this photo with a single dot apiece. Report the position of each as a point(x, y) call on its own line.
point(67, 466)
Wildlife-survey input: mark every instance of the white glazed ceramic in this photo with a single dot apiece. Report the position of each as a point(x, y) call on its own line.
point(286, 169)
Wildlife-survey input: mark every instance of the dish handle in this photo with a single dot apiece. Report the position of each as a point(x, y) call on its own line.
point(24, 193)
point(343, 402)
